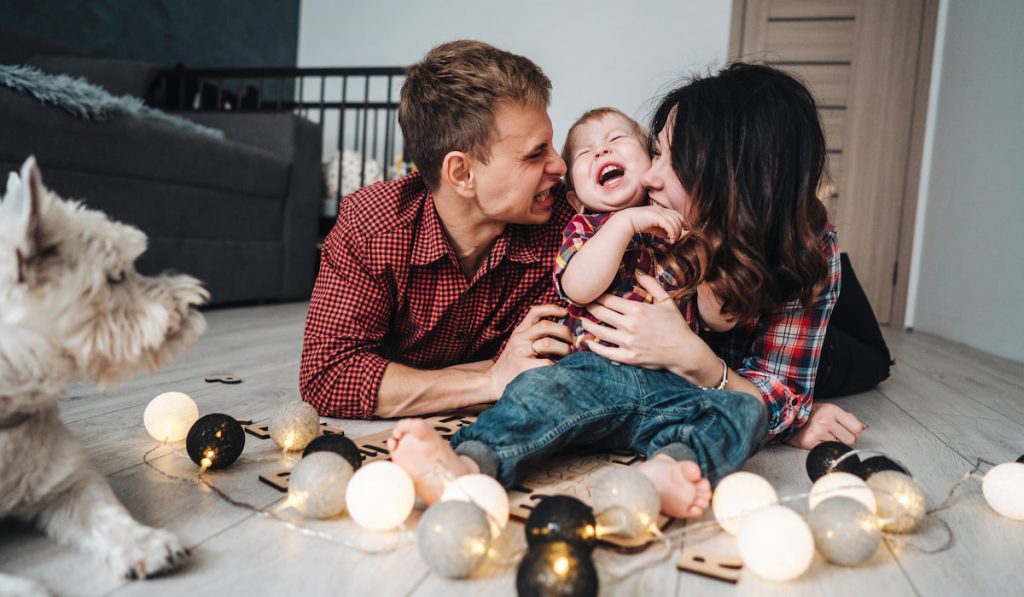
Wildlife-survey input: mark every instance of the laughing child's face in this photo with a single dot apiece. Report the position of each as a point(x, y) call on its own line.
point(606, 163)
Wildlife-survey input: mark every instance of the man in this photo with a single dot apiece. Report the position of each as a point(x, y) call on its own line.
point(423, 280)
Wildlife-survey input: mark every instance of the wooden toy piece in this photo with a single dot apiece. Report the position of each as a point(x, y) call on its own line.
point(715, 566)
point(263, 431)
point(278, 481)
point(260, 431)
point(227, 378)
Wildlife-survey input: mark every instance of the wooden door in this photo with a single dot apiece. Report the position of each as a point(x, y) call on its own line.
point(868, 64)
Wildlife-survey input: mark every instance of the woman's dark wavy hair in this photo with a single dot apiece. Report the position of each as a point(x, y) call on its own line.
point(748, 147)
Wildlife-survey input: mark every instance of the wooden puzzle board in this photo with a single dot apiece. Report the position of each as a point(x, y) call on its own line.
point(573, 474)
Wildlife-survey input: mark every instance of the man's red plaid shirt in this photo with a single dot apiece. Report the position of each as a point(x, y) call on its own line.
point(390, 288)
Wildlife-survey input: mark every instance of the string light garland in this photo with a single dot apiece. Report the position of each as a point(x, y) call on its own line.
point(453, 538)
point(562, 518)
point(215, 441)
point(169, 416)
point(564, 530)
point(294, 425)
point(559, 568)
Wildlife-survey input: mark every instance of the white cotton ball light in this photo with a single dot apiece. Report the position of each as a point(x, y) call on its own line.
point(486, 493)
point(317, 485)
point(739, 494)
point(1003, 487)
point(380, 496)
point(169, 416)
point(842, 485)
point(294, 425)
point(776, 543)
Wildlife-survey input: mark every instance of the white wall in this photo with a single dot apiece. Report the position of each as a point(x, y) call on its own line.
point(970, 281)
point(596, 52)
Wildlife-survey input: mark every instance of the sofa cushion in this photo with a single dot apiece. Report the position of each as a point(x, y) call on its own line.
point(131, 147)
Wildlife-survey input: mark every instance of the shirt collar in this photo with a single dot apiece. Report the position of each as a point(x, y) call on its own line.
point(429, 243)
point(518, 241)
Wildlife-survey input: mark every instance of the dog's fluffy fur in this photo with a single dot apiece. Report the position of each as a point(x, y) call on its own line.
point(71, 307)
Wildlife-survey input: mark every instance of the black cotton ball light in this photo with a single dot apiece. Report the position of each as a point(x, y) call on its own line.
point(822, 459)
point(340, 445)
point(557, 568)
point(215, 441)
point(562, 518)
point(877, 464)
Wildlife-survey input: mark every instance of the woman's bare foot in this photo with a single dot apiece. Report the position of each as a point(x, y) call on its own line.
point(427, 457)
point(683, 492)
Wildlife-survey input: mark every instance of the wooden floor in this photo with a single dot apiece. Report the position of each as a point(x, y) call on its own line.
point(945, 406)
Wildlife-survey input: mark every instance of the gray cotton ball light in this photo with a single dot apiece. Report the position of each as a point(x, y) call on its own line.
point(317, 485)
point(845, 531)
point(626, 503)
point(294, 425)
point(453, 538)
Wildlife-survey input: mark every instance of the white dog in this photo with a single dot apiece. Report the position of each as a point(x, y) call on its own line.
point(72, 306)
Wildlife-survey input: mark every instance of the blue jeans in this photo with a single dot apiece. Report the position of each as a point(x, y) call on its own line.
point(586, 401)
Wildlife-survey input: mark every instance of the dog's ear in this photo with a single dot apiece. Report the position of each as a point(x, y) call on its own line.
point(20, 215)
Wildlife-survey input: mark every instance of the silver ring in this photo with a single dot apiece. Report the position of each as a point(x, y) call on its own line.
point(533, 348)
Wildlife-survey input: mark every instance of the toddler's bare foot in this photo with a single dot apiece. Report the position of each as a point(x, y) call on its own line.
point(426, 456)
point(683, 492)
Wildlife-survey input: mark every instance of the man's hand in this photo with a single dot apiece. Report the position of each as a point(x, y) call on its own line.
point(655, 220)
point(828, 422)
point(531, 343)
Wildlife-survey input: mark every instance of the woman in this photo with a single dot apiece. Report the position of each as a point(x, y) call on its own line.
point(773, 260)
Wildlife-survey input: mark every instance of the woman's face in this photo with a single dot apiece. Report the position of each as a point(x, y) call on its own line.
point(661, 182)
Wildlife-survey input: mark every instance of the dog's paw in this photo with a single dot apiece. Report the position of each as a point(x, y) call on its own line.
point(145, 552)
point(17, 586)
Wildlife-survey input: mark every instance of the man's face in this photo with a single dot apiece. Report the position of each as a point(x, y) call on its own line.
point(514, 187)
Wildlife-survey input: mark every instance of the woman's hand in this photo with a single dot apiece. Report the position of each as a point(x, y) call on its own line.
point(828, 422)
point(654, 336)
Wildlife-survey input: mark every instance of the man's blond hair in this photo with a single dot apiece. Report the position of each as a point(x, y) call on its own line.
point(449, 99)
point(638, 131)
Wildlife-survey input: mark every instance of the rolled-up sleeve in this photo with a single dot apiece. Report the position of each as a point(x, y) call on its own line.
point(782, 361)
point(348, 318)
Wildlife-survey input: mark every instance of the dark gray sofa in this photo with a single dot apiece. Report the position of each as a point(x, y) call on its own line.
point(240, 213)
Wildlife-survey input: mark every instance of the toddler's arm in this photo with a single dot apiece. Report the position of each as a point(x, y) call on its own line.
point(588, 274)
